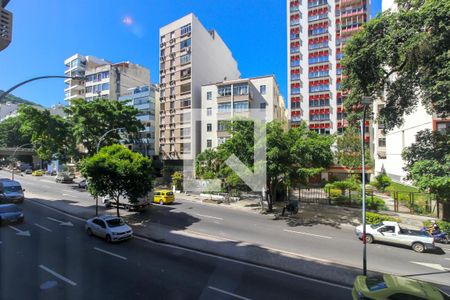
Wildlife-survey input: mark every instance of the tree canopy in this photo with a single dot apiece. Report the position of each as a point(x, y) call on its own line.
point(292, 156)
point(348, 149)
point(10, 135)
point(407, 55)
point(115, 171)
point(50, 135)
point(91, 119)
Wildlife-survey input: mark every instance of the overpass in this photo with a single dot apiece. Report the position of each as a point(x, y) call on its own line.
point(6, 153)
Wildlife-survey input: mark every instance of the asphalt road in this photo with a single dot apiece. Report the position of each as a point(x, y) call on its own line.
point(49, 256)
point(318, 241)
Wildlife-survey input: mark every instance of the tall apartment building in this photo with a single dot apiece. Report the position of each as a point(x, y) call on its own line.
point(228, 99)
point(317, 32)
point(190, 56)
point(6, 24)
point(388, 146)
point(143, 99)
point(101, 78)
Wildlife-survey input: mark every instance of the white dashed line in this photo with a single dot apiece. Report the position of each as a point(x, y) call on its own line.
point(110, 253)
point(211, 217)
point(310, 234)
point(67, 280)
point(228, 293)
point(42, 227)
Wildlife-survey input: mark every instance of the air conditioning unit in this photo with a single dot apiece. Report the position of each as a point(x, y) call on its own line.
point(172, 41)
point(163, 44)
point(188, 49)
point(163, 58)
point(172, 82)
point(172, 55)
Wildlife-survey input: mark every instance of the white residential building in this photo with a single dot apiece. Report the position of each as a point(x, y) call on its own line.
point(143, 99)
point(387, 147)
point(229, 99)
point(190, 56)
point(101, 78)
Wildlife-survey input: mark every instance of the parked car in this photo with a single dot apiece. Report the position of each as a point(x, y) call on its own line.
point(110, 228)
point(125, 203)
point(10, 213)
point(391, 232)
point(29, 171)
point(163, 197)
point(394, 287)
point(64, 178)
point(11, 191)
point(37, 173)
point(83, 184)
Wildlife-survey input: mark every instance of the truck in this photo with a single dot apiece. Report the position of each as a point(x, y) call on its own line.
point(139, 205)
point(391, 232)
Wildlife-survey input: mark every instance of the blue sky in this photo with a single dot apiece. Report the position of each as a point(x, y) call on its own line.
point(46, 32)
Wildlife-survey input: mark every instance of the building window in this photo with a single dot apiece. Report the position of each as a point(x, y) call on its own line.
point(163, 79)
point(185, 88)
point(443, 127)
point(208, 95)
point(185, 43)
point(224, 107)
point(172, 49)
point(208, 143)
point(186, 148)
point(105, 86)
point(262, 105)
point(163, 93)
point(221, 126)
point(225, 90)
point(240, 106)
point(209, 127)
point(185, 118)
point(209, 111)
point(185, 103)
point(163, 52)
point(172, 34)
point(382, 142)
point(186, 29)
point(240, 90)
point(185, 59)
point(262, 89)
point(186, 73)
point(185, 132)
point(172, 91)
point(163, 39)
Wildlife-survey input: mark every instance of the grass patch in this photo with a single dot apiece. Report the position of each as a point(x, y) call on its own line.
point(395, 186)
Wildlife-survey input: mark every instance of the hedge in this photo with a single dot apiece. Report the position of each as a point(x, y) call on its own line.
point(374, 218)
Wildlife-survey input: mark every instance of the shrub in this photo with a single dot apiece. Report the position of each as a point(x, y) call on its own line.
point(382, 181)
point(333, 193)
point(375, 203)
point(443, 225)
point(373, 218)
point(177, 180)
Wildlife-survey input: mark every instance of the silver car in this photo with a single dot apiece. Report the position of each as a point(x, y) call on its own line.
point(111, 228)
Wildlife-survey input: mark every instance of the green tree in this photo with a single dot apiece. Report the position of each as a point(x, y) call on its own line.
point(91, 119)
point(434, 176)
point(118, 172)
point(207, 164)
point(407, 55)
point(427, 162)
point(429, 145)
point(50, 135)
point(10, 135)
point(348, 150)
point(177, 180)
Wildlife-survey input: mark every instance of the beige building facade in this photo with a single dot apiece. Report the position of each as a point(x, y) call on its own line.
point(190, 56)
point(257, 97)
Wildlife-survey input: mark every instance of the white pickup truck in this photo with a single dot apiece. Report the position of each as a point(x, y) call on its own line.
point(391, 232)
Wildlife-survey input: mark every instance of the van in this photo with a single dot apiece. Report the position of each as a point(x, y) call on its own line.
point(11, 191)
point(163, 197)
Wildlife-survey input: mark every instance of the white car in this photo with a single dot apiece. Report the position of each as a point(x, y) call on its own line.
point(391, 232)
point(111, 228)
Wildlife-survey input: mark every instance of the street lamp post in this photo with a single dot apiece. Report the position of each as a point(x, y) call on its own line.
point(14, 158)
point(366, 101)
point(98, 147)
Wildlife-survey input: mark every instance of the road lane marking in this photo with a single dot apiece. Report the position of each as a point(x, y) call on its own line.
point(110, 253)
point(67, 280)
point(310, 234)
point(20, 232)
point(253, 265)
point(228, 293)
point(45, 180)
point(433, 266)
point(42, 227)
point(206, 216)
point(62, 223)
point(69, 195)
point(446, 258)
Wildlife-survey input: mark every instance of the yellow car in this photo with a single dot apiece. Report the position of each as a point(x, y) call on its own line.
point(163, 197)
point(394, 287)
point(37, 173)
